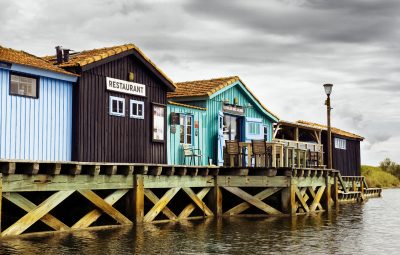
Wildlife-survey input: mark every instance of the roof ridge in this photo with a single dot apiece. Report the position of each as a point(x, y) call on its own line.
point(212, 79)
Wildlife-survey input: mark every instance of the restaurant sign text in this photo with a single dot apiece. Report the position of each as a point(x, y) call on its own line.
point(126, 87)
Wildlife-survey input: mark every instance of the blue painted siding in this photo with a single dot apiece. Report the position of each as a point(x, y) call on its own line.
point(214, 105)
point(36, 129)
point(174, 150)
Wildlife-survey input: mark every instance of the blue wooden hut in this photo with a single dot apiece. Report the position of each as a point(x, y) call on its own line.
point(232, 112)
point(35, 108)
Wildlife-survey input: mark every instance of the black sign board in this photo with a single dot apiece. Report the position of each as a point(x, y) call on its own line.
point(233, 109)
point(174, 118)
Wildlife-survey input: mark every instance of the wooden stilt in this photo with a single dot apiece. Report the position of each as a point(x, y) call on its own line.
point(285, 200)
point(293, 206)
point(328, 195)
point(138, 198)
point(336, 190)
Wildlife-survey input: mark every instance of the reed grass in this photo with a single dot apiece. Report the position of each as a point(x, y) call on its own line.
point(377, 178)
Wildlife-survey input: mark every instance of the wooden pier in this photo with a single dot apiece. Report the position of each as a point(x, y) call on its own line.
point(63, 196)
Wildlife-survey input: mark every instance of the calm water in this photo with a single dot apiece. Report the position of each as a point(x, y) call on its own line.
point(371, 228)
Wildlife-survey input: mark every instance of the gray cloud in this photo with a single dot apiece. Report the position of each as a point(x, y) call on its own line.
point(283, 49)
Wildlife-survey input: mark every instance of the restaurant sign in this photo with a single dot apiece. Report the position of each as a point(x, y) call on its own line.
point(233, 109)
point(126, 87)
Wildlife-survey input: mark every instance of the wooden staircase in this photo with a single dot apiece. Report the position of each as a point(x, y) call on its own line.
point(355, 189)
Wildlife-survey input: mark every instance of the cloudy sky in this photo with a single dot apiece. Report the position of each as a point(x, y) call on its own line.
point(283, 49)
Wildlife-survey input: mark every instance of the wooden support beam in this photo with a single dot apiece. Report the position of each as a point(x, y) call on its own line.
point(93, 215)
point(159, 206)
point(104, 206)
point(169, 171)
point(335, 188)
point(73, 169)
point(7, 167)
point(141, 169)
point(245, 205)
point(41, 210)
point(328, 195)
point(285, 200)
point(198, 201)
point(252, 200)
point(180, 171)
point(190, 207)
point(126, 170)
point(155, 170)
point(111, 170)
point(138, 198)
point(92, 170)
point(313, 195)
point(154, 199)
point(29, 168)
point(317, 198)
point(293, 206)
point(301, 200)
point(28, 206)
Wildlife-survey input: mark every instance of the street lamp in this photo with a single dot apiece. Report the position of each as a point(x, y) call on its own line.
point(328, 91)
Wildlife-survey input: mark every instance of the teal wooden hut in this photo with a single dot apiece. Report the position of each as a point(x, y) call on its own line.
point(185, 127)
point(230, 112)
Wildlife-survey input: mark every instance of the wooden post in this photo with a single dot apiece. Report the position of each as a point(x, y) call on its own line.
point(285, 200)
point(362, 187)
point(336, 190)
point(292, 204)
point(138, 198)
point(215, 199)
point(327, 199)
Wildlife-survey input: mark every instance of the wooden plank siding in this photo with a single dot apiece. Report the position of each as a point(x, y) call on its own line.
point(36, 128)
point(347, 161)
point(175, 152)
point(100, 137)
point(214, 106)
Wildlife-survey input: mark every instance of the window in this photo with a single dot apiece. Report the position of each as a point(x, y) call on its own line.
point(137, 109)
point(23, 86)
point(158, 122)
point(266, 133)
point(117, 106)
point(254, 128)
point(340, 143)
point(186, 128)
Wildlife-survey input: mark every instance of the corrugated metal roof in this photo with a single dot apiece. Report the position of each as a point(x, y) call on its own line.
point(23, 58)
point(206, 88)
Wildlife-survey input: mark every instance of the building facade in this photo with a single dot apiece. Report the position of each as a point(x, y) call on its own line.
point(232, 113)
point(346, 152)
point(186, 126)
point(119, 112)
point(35, 108)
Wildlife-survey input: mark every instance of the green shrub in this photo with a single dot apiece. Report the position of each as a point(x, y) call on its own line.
point(378, 178)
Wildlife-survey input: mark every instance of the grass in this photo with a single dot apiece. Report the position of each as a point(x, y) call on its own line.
point(377, 178)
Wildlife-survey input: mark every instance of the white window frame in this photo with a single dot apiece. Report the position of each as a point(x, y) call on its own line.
point(340, 143)
point(118, 99)
point(256, 126)
point(137, 116)
point(185, 126)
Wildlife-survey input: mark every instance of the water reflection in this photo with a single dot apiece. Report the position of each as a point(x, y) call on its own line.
point(371, 228)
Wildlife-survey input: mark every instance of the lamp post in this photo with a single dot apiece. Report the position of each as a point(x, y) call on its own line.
point(328, 91)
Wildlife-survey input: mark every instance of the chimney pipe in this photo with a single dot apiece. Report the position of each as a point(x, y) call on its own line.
point(59, 54)
point(66, 55)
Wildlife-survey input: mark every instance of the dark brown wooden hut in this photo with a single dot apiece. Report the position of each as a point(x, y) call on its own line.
point(346, 153)
point(119, 105)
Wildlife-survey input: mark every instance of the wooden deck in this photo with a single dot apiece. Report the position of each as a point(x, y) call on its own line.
point(63, 196)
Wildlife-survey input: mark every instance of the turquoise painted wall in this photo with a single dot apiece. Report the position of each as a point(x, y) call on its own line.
point(214, 106)
point(36, 129)
point(175, 152)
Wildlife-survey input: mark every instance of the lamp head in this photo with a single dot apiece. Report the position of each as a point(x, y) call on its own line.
point(328, 89)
